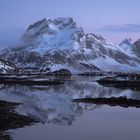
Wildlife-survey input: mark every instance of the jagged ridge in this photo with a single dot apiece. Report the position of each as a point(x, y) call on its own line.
point(59, 43)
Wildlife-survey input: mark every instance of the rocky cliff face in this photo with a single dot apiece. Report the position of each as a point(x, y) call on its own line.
point(61, 44)
point(137, 48)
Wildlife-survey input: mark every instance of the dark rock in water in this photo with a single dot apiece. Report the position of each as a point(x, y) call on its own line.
point(131, 81)
point(100, 73)
point(123, 78)
point(113, 101)
point(62, 72)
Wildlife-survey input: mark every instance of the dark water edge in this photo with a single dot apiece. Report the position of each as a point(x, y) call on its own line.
point(10, 119)
point(48, 112)
point(100, 123)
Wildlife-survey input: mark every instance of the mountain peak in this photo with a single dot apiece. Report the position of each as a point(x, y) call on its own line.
point(127, 46)
point(96, 38)
point(36, 24)
point(48, 26)
point(60, 33)
point(127, 41)
point(65, 21)
point(46, 21)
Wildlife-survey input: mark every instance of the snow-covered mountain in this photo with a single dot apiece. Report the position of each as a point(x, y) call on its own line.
point(60, 43)
point(6, 67)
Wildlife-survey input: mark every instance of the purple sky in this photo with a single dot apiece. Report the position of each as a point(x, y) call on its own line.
point(114, 19)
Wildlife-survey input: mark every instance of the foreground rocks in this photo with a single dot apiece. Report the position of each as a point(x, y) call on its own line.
point(9, 119)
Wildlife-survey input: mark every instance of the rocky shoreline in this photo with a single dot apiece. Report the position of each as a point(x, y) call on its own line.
point(122, 81)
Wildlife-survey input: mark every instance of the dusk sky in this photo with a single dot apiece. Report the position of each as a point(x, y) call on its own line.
point(114, 19)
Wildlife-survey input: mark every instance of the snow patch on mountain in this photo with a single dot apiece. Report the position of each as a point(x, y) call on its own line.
point(127, 46)
point(6, 67)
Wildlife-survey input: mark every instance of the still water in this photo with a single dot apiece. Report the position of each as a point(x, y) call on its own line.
point(58, 118)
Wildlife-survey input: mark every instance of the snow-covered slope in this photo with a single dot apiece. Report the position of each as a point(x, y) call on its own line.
point(6, 67)
point(59, 43)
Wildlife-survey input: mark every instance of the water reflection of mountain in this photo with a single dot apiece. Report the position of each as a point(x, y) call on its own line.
point(53, 104)
point(9, 119)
